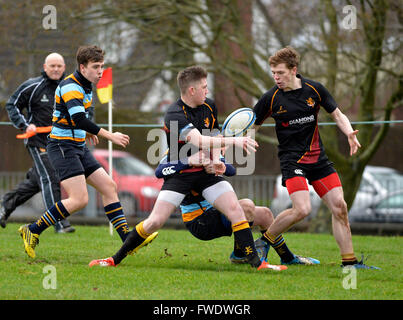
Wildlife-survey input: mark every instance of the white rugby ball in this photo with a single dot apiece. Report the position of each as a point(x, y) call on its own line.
point(238, 122)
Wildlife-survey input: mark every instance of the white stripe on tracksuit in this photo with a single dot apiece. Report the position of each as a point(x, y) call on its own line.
point(45, 181)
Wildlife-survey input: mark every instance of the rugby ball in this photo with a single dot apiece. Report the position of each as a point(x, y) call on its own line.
point(238, 122)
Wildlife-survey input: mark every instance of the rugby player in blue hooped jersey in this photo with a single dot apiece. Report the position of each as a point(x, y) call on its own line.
point(69, 154)
point(294, 103)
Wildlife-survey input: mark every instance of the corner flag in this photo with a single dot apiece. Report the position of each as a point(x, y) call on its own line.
point(104, 86)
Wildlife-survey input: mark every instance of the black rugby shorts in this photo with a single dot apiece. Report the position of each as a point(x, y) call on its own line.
point(210, 225)
point(70, 161)
point(312, 172)
point(185, 182)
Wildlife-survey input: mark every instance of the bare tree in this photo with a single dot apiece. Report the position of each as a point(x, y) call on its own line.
point(353, 64)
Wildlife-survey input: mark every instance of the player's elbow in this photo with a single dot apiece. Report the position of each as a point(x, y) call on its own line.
point(337, 115)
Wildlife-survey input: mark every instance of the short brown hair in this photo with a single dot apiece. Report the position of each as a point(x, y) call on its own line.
point(87, 54)
point(287, 55)
point(190, 75)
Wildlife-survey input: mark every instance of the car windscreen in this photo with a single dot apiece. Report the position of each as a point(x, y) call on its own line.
point(390, 181)
point(394, 201)
point(131, 166)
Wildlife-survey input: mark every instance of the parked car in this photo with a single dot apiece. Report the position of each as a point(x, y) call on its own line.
point(376, 183)
point(387, 208)
point(138, 188)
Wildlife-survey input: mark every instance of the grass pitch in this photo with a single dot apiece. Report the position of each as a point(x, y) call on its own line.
point(177, 266)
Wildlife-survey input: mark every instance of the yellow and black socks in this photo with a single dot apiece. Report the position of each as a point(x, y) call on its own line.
point(278, 244)
point(237, 249)
point(134, 239)
point(348, 259)
point(56, 213)
point(115, 214)
point(244, 239)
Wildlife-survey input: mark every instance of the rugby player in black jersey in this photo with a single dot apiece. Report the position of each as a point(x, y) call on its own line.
point(294, 103)
point(191, 125)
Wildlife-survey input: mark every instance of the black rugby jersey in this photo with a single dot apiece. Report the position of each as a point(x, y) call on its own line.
point(180, 119)
point(296, 116)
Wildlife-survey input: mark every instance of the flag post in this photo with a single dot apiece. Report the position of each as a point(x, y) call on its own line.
point(104, 91)
point(110, 159)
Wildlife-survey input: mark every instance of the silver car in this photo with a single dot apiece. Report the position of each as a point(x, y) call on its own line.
point(376, 182)
point(387, 208)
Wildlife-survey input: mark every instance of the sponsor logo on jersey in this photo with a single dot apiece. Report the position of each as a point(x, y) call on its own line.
point(299, 121)
point(206, 122)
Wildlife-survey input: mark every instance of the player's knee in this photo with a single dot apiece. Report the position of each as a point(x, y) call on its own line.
point(263, 217)
point(339, 209)
point(249, 208)
point(302, 211)
point(111, 187)
point(234, 212)
point(268, 214)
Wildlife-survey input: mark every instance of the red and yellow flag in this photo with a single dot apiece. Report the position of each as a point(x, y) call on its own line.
point(104, 86)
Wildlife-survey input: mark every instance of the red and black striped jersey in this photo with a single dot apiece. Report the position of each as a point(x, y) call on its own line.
point(296, 119)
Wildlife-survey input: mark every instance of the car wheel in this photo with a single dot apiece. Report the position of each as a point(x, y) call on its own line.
point(129, 204)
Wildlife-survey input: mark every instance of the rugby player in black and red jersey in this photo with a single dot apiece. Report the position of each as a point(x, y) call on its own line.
point(294, 103)
point(191, 125)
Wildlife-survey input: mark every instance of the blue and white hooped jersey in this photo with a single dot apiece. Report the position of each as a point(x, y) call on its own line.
point(73, 95)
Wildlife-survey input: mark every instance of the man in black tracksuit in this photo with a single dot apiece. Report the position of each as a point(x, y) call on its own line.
point(29, 107)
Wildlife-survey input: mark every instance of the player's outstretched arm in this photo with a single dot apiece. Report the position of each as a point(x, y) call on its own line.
point(345, 126)
point(247, 143)
point(84, 123)
point(116, 137)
